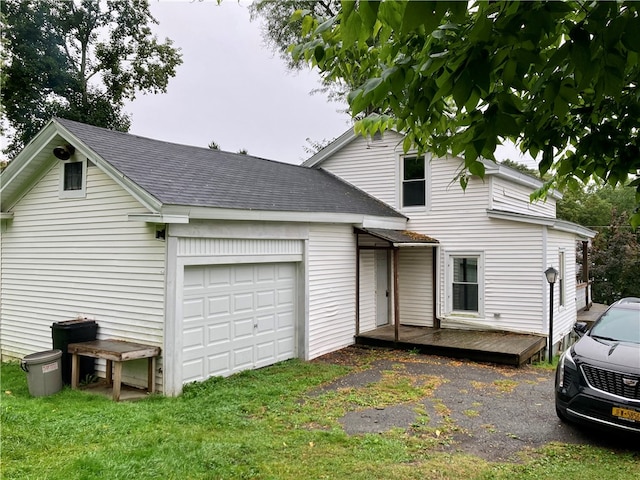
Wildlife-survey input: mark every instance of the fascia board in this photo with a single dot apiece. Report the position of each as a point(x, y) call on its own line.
point(340, 142)
point(553, 223)
point(205, 213)
point(157, 218)
point(570, 227)
point(24, 160)
point(531, 219)
point(141, 195)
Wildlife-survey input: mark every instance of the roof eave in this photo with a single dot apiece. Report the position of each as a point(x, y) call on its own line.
point(340, 142)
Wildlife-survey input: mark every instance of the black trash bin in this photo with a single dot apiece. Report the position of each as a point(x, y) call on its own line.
point(74, 331)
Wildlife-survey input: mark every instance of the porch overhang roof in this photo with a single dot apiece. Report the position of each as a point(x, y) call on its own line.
point(399, 238)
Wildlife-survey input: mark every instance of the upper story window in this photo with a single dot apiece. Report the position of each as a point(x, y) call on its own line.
point(414, 191)
point(73, 176)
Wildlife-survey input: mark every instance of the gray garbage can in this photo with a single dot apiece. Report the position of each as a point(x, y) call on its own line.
point(44, 375)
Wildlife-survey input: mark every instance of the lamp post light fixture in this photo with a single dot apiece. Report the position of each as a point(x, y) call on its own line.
point(552, 275)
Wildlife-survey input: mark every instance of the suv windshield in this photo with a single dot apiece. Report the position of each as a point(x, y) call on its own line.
point(619, 324)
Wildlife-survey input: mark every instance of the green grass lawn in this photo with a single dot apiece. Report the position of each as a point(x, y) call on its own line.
point(261, 424)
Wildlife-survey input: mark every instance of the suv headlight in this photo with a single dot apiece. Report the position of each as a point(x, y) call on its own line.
point(565, 361)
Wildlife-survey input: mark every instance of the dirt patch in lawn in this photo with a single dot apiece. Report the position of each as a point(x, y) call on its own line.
point(491, 411)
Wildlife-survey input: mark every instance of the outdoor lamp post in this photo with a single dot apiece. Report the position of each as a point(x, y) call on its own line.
point(552, 275)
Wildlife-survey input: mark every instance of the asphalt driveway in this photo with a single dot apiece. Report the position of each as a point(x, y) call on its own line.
point(491, 411)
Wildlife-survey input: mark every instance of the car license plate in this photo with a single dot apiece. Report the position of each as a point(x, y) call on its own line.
point(626, 414)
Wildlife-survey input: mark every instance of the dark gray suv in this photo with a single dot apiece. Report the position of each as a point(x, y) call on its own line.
point(598, 378)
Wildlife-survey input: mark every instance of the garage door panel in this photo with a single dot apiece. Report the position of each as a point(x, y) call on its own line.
point(243, 302)
point(266, 299)
point(219, 333)
point(243, 275)
point(242, 358)
point(265, 353)
point(193, 309)
point(193, 370)
point(219, 305)
point(284, 320)
point(219, 364)
point(218, 277)
point(242, 328)
point(265, 324)
point(237, 317)
point(285, 296)
point(193, 338)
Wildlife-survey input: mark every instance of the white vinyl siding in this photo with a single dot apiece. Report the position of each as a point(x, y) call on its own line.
point(415, 285)
point(564, 315)
point(512, 252)
point(332, 284)
point(371, 166)
point(512, 197)
point(69, 258)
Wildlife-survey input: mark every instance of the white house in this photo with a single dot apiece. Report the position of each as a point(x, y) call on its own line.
point(230, 262)
point(493, 243)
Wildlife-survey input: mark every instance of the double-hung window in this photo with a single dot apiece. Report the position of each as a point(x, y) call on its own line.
point(465, 283)
point(414, 184)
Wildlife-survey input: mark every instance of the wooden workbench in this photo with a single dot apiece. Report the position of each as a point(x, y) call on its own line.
point(114, 352)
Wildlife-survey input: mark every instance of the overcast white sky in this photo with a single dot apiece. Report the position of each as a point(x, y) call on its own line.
point(234, 90)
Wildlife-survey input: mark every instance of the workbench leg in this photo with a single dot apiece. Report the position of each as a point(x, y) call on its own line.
point(117, 380)
point(75, 370)
point(109, 373)
point(151, 375)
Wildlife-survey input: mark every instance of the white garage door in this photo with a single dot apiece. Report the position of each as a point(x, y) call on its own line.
point(237, 317)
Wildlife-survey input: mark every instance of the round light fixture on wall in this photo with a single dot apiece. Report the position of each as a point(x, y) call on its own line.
point(64, 152)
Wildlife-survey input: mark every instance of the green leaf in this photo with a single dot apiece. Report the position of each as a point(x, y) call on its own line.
point(371, 85)
point(462, 89)
point(369, 13)
point(422, 13)
point(324, 26)
point(631, 36)
point(351, 29)
point(477, 168)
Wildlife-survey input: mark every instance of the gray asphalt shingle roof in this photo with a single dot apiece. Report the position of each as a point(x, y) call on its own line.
point(186, 175)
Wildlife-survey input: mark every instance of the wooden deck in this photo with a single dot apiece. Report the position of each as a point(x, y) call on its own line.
point(484, 346)
point(591, 315)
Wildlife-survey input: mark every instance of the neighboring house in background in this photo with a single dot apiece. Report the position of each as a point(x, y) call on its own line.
point(230, 262)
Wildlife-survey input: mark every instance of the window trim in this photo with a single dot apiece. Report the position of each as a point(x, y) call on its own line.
point(80, 193)
point(562, 284)
point(449, 257)
point(427, 175)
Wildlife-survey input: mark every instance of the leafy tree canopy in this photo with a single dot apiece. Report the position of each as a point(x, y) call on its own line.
point(80, 60)
point(557, 78)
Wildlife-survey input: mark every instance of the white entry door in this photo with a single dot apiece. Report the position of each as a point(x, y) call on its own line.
point(382, 288)
point(237, 317)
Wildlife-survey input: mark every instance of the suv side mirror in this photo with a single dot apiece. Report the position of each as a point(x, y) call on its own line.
point(580, 328)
